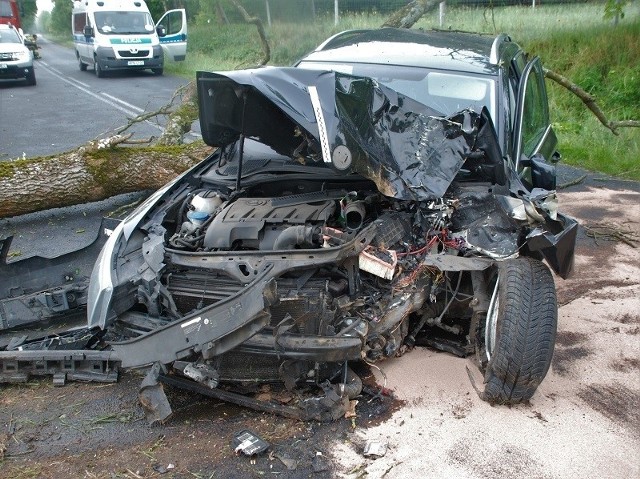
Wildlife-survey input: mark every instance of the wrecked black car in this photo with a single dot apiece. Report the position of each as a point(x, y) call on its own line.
point(395, 188)
point(342, 218)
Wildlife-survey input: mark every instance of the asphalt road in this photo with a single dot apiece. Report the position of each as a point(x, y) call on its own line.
point(69, 107)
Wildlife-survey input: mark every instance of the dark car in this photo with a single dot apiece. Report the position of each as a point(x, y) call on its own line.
point(394, 187)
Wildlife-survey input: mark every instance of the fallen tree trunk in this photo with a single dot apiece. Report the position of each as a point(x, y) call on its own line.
point(90, 173)
point(408, 15)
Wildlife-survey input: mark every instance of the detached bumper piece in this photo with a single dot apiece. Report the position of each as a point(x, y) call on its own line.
point(75, 365)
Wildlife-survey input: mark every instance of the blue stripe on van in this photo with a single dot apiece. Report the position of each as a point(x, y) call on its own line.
point(181, 37)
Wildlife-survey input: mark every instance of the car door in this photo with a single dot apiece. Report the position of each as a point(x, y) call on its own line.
point(533, 133)
point(174, 42)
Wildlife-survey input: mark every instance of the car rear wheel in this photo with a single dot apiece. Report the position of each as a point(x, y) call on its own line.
point(31, 77)
point(520, 330)
point(83, 66)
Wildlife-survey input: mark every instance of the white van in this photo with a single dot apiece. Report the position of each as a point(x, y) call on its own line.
point(120, 35)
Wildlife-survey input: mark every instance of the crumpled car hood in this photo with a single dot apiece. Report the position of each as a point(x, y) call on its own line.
point(352, 123)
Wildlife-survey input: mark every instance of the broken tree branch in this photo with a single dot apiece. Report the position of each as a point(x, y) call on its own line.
point(612, 232)
point(260, 27)
point(590, 102)
point(577, 181)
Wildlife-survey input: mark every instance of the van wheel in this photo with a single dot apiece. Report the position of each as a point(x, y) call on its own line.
point(157, 71)
point(98, 69)
point(520, 330)
point(83, 66)
point(31, 77)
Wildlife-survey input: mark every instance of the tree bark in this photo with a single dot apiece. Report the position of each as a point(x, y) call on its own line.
point(408, 15)
point(91, 173)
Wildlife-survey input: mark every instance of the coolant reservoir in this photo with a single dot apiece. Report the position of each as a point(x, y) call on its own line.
point(202, 206)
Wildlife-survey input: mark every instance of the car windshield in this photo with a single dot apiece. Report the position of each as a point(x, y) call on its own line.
point(446, 91)
point(119, 23)
point(9, 36)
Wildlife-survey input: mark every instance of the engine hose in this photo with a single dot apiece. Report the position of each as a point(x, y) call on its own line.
point(293, 236)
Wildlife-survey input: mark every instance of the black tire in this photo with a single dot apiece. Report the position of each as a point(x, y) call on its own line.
point(98, 69)
point(157, 71)
point(31, 77)
point(524, 321)
point(83, 66)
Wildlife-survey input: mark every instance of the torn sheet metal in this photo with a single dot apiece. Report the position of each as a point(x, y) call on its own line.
point(39, 289)
point(406, 148)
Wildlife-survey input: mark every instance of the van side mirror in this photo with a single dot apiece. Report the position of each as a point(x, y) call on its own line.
point(162, 32)
point(88, 31)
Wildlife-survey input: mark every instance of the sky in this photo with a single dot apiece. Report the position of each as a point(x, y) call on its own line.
point(44, 5)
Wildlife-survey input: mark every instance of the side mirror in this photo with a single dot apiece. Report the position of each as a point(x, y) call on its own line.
point(162, 32)
point(88, 31)
point(543, 174)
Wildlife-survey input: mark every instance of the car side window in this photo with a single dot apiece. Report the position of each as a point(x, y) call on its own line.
point(535, 116)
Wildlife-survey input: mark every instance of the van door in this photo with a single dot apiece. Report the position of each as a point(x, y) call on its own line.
point(174, 42)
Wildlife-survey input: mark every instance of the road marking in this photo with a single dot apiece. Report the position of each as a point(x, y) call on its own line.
point(109, 100)
point(132, 111)
point(137, 108)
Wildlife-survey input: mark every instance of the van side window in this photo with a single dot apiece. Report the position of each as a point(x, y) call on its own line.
point(172, 22)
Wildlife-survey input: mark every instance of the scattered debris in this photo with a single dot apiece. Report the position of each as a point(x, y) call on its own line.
point(249, 443)
point(160, 469)
point(375, 449)
point(351, 412)
point(613, 232)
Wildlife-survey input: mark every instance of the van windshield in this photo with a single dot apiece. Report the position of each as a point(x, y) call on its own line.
point(121, 23)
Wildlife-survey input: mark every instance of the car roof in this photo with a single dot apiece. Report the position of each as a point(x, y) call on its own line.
point(440, 49)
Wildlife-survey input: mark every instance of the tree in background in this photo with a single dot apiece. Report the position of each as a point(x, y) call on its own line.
point(60, 22)
point(28, 10)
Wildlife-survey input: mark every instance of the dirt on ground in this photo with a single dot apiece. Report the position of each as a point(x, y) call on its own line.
point(584, 420)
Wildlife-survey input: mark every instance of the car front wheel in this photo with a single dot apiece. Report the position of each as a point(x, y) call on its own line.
point(31, 77)
point(98, 69)
point(520, 330)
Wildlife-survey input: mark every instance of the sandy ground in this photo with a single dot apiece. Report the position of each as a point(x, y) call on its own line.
point(584, 420)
